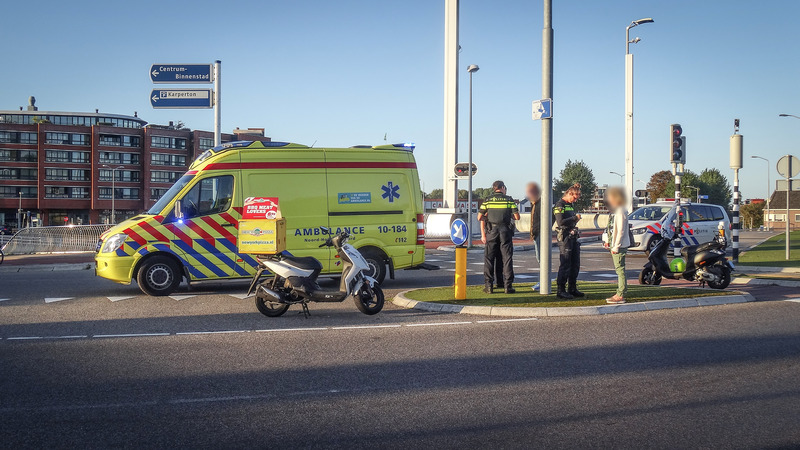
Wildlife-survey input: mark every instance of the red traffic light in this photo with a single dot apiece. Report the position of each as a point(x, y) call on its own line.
point(677, 131)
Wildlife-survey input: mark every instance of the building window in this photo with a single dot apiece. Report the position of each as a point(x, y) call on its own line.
point(119, 158)
point(80, 139)
point(79, 192)
point(65, 156)
point(27, 156)
point(121, 175)
point(14, 173)
point(14, 191)
point(160, 176)
point(206, 143)
point(167, 142)
point(119, 193)
point(157, 193)
point(13, 137)
point(56, 174)
point(163, 159)
point(57, 138)
point(55, 192)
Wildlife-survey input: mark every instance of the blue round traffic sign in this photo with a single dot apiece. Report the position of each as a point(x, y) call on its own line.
point(459, 232)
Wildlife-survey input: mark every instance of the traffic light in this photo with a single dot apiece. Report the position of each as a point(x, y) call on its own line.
point(677, 144)
point(462, 169)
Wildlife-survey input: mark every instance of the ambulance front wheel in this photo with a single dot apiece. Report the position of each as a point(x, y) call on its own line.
point(159, 275)
point(376, 261)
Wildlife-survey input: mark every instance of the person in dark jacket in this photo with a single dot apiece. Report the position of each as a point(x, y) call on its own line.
point(497, 215)
point(566, 219)
point(534, 194)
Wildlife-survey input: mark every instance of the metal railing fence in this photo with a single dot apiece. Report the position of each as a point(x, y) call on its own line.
point(76, 238)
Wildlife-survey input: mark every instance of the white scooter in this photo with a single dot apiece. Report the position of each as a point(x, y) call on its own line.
point(294, 281)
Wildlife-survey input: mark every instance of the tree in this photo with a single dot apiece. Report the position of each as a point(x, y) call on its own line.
point(435, 194)
point(482, 193)
point(715, 185)
point(752, 215)
point(657, 186)
point(689, 178)
point(576, 172)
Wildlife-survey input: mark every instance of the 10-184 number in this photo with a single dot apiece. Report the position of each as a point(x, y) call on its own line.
point(392, 229)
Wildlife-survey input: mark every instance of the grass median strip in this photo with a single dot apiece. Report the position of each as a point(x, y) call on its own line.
point(772, 252)
point(596, 294)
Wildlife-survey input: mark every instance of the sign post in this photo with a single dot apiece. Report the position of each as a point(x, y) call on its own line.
point(788, 167)
point(189, 98)
point(737, 150)
point(460, 234)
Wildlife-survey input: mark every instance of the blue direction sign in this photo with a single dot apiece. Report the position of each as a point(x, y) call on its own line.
point(181, 73)
point(702, 197)
point(543, 109)
point(459, 232)
point(181, 98)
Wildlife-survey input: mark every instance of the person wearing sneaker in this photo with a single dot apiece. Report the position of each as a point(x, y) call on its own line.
point(618, 240)
point(496, 216)
point(569, 248)
point(534, 194)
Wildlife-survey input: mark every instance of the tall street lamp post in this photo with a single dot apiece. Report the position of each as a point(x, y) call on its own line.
point(19, 212)
point(113, 190)
point(696, 189)
point(629, 107)
point(769, 187)
point(471, 69)
point(621, 176)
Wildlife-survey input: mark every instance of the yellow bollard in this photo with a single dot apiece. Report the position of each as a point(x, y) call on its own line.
point(461, 273)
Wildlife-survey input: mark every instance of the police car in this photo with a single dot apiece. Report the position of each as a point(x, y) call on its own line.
point(700, 223)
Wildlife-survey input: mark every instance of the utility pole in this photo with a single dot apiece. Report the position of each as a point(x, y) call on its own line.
point(450, 187)
point(737, 150)
point(217, 103)
point(547, 153)
point(629, 108)
point(19, 212)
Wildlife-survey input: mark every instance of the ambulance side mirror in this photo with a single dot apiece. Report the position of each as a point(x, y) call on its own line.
point(178, 210)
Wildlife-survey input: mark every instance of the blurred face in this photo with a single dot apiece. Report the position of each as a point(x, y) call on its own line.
point(573, 196)
point(533, 192)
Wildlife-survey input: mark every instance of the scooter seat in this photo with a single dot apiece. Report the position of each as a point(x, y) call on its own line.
point(302, 262)
point(692, 250)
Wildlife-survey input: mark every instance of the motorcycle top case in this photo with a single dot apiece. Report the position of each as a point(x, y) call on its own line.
point(262, 236)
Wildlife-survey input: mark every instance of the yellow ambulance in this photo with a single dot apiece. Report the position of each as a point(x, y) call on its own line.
point(191, 232)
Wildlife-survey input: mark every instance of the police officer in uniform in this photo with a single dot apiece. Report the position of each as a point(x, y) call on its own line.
point(566, 220)
point(497, 232)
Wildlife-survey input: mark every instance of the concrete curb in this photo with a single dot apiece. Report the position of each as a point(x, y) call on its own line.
point(517, 248)
point(760, 269)
point(509, 311)
point(764, 282)
point(47, 267)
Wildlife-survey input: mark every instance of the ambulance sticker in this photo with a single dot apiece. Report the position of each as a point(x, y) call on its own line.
point(354, 197)
point(260, 208)
point(390, 191)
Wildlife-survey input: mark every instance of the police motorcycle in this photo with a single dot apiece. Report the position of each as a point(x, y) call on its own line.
point(705, 263)
point(294, 281)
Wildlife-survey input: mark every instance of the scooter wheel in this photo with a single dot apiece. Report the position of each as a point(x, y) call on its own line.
point(724, 275)
point(369, 300)
point(270, 309)
point(649, 277)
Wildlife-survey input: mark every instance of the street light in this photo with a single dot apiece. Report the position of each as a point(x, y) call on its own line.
point(471, 69)
point(621, 176)
point(19, 212)
point(629, 107)
point(698, 192)
point(769, 186)
point(788, 115)
point(113, 189)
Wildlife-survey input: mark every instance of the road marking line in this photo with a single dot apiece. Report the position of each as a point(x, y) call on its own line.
point(24, 338)
point(128, 335)
point(795, 300)
point(241, 296)
point(81, 336)
point(435, 324)
point(116, 299)
point(603, 275)
point(360, 327)
point(212, 332)
point(432, 260)
point(181, 297)
point(292, 329)
point(524, 277)
point(507, 320)
point(4, 299)
point(56, 299)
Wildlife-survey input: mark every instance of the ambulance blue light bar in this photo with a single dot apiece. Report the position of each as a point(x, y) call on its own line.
point(410, 146)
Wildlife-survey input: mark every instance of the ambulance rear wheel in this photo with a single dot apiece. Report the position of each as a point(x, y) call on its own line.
point(158, 276)
point(377, 264)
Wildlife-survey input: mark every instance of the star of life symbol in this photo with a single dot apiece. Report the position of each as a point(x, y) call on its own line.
point(390, 191)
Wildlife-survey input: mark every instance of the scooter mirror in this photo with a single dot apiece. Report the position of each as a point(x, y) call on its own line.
point(325, 230)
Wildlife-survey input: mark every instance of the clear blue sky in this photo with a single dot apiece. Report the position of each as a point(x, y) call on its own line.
point(347, 72)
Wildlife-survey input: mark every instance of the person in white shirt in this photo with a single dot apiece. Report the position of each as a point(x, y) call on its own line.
point(618, 239)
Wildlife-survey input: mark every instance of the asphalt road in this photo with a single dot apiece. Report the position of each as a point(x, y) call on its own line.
point(91, 364)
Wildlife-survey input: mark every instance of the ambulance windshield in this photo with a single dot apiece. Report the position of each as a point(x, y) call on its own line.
point(169, 196)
